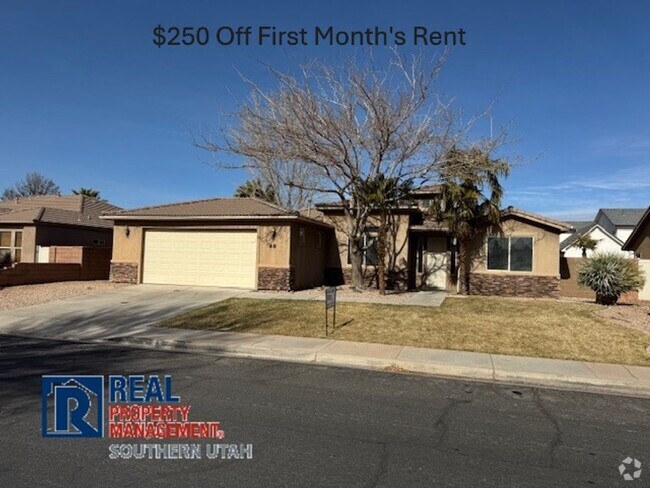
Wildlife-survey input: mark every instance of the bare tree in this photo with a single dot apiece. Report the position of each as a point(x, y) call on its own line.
point(33, 184)
point(334, 128)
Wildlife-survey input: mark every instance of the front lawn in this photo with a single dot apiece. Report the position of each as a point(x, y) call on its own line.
point(542, 328)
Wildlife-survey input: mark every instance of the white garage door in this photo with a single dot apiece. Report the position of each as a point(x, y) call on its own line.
point(644, 293)
point(204, 258)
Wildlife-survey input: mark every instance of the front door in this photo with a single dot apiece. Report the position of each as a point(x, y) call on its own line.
point(436, 263)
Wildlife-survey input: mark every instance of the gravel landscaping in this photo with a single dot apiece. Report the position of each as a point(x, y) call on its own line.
point(14, 297)
point(634, 316)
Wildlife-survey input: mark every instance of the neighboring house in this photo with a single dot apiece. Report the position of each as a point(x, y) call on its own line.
point(248, 243)
point(606, 242)
point(611, 228)
point(33, 223)
point(619, 222)
point(576, 227)
point(638, 242)
point(229, 242)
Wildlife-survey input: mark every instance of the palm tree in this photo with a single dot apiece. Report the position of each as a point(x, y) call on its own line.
point(470, 194)
point(255, 189)
point(382, 195)
point(88, 192)
point(585, 242)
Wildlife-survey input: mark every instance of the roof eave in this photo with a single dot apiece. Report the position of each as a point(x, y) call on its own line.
point(227, 218)
point(629, 244)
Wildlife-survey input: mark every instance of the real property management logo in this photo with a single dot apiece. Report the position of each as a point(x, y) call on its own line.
point(138, 407)
point(72, 406)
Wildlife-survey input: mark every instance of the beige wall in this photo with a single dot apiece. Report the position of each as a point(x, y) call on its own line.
point(643, 249)
point(309, 254)
point(127, 249)
point(29, 244)
point(546, 249)
point(273, 246)
point(28, 250)
point(398, 240)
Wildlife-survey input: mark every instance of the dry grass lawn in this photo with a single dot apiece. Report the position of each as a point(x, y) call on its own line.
point(542, 328)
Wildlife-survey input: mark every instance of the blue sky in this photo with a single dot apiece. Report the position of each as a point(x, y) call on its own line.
point(87, 99)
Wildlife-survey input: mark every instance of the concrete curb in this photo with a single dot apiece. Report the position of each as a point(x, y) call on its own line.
point(493, 374)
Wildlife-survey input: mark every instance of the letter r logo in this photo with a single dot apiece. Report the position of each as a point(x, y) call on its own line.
point(72, 406)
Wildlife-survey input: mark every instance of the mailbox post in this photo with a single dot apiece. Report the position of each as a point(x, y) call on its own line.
point(330, 302)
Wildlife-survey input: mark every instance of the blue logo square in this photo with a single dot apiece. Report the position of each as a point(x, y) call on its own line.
point(72, 406)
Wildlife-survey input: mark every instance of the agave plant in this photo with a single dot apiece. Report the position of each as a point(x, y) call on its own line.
point(610, 275)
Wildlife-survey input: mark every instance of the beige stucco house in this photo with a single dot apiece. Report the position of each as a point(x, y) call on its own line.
point(521, 258)
point(32, 224)
point(248, 243)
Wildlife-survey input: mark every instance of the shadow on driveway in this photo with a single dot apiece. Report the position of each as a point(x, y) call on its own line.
point(116, 313)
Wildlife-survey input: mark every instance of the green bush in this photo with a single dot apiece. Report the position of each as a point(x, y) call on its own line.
point(610, 275)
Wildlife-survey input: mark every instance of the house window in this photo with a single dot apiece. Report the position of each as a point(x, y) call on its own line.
point(11, 243)
point(99, 242)
point(319, 240)
point(301, 237)
point(510, 253)
point(369, 243)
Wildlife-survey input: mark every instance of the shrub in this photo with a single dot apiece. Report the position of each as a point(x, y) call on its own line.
point(610, 275)
point(5, 260)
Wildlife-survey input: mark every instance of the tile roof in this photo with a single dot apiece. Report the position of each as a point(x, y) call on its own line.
point(624, 217)
point(78, 210)
point(580, 224)
point(214, 207)
point(533, 217)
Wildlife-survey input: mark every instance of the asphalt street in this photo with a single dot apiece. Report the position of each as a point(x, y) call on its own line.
point(314, 426)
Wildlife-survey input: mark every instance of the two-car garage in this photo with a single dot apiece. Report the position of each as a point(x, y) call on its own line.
point(222, 242)
point(200, 257)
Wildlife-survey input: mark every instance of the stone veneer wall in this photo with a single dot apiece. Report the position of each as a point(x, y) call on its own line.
point(514, 285)
point(276, 278)
point(124, 273)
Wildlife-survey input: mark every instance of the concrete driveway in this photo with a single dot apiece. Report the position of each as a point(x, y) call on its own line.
point(116, 313)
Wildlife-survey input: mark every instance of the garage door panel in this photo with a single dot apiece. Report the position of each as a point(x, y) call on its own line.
point(207, 258)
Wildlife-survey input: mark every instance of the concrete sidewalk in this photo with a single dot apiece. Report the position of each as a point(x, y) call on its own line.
point(581, 375)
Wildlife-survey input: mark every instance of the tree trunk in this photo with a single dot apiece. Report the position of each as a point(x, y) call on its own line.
point(463, 268)
point(606, 299)
point(356, 259)
point(381, 254)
